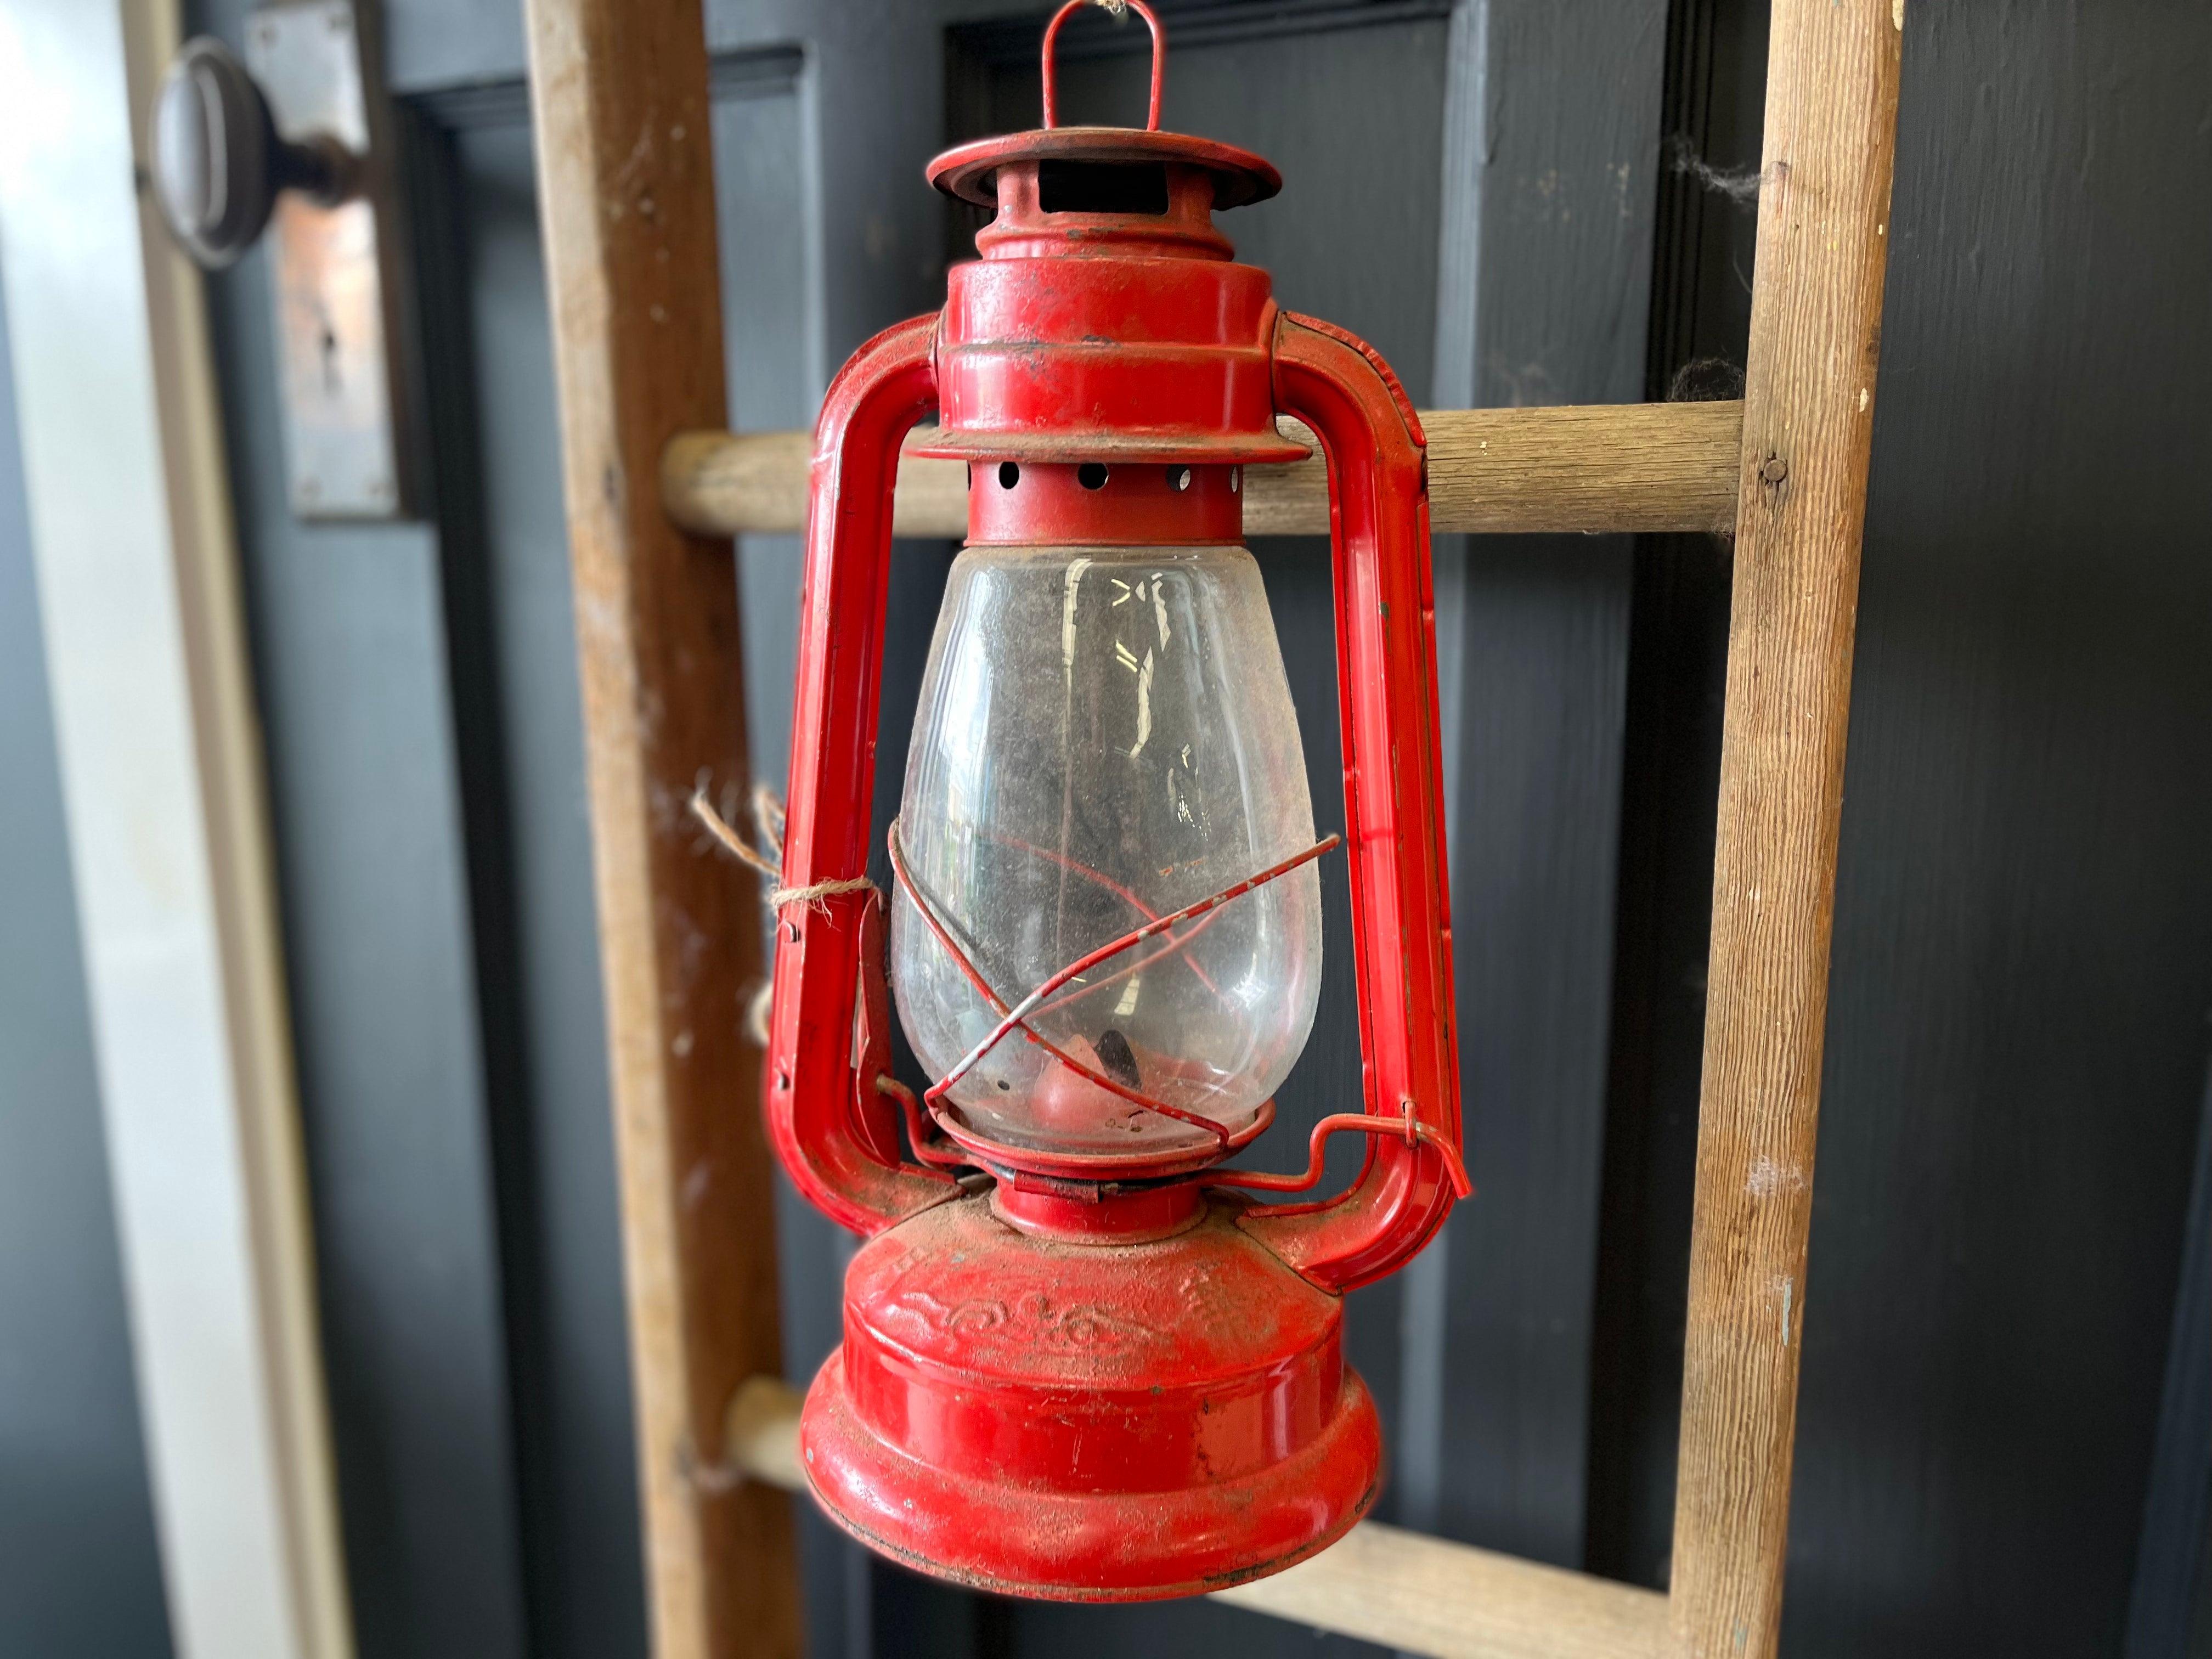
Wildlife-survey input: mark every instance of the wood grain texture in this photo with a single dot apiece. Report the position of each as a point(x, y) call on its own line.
point(1594, 467)
point(1383, 1584)
point(1815, 334)
point(627, 195)
point(1426, 1595)
point(2023, 940)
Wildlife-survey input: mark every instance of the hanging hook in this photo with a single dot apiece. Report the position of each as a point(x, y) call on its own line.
point(1118, 8)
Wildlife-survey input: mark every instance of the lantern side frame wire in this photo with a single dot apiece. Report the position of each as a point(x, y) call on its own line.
point(1016, 1016)
point(1100, 879)
point(1407, 1125)
point(1019, 1014)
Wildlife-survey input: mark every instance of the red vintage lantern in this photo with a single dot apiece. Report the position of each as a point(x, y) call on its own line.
point(1077, 1362)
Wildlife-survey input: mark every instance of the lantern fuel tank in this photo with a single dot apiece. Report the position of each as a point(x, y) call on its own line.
point(1084, 1356)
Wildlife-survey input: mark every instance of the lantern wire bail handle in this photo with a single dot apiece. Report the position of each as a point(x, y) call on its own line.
point(1119, 8)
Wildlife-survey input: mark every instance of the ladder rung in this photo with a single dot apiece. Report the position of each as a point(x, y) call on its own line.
point(1380, 1583)
point(1591, 467)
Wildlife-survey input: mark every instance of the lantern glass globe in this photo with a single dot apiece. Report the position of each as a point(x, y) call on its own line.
point(1106, 736)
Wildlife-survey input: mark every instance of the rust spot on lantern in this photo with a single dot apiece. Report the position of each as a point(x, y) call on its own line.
point(1077, 1362)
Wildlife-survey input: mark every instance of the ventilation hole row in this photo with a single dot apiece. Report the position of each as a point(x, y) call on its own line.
point(1093, 475)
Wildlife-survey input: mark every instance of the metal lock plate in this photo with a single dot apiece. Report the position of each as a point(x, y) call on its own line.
point(335, 271)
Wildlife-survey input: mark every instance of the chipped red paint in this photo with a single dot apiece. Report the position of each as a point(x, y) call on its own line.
point(1090, 1381)
point(1087, 1423)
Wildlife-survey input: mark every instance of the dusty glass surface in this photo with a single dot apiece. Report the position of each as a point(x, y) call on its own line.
point(1106, 736)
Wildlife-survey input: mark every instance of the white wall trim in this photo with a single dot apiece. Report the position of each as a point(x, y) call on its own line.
point(162, 774)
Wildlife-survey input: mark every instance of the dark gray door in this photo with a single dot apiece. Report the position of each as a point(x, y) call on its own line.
point(1471, 185)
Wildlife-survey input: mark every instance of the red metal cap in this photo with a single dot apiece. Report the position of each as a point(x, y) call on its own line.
point(970, 171)
point(1107, 320)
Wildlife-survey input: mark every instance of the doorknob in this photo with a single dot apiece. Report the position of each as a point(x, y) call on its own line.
point(295, 142)
point(219, 162)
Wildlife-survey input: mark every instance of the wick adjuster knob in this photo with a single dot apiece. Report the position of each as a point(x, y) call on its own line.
point(219, 163)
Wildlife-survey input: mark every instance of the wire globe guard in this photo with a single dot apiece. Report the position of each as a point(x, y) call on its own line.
point(1128, 1385)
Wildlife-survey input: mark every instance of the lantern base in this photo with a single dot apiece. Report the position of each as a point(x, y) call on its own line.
point(1088, 1422)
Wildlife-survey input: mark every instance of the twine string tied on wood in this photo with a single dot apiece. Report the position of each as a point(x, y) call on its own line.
point(768, 820)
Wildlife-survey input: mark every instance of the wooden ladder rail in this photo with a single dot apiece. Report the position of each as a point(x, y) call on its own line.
point(625, 169)
point(620, 97)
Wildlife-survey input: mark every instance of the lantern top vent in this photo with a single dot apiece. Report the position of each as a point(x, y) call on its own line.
point(970, 171)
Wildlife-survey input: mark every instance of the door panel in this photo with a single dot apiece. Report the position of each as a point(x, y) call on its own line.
point(1557, 141)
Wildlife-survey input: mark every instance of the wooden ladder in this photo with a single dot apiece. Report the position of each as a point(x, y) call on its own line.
point(655, 488)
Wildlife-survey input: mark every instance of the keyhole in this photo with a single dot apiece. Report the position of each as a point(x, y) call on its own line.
point(328, 341)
